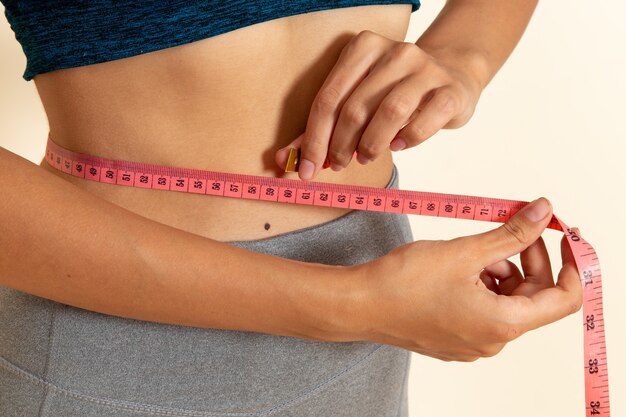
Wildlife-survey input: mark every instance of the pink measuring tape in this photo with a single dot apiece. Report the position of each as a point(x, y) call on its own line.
point(160, 177)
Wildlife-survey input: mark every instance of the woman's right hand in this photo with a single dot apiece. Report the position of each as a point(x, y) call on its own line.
point(442, 299)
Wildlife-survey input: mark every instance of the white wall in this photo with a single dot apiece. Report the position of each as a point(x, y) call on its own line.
point(550, 124)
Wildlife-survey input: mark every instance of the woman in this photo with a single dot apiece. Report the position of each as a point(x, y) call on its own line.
point(118, 301)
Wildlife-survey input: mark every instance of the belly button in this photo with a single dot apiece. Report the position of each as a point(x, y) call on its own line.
point(267, 226)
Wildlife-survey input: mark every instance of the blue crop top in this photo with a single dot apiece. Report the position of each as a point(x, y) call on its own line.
point(57, 34)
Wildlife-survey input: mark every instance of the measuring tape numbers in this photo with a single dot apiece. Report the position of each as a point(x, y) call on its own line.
point(160, 177)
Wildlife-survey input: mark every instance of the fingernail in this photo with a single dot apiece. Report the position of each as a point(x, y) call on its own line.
point(335, 167)
point(397, 144)
point(306, 169)
point(362, 159)
point(536, 210)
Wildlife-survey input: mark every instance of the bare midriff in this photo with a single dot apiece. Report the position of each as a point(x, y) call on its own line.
point(226, 103)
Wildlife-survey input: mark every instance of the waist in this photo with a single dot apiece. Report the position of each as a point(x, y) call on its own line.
point(227, 219)
point(220, 104)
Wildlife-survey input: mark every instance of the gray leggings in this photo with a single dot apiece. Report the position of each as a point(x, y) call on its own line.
point(57, 360)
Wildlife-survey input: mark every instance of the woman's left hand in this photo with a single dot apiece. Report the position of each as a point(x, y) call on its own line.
point(382, 94)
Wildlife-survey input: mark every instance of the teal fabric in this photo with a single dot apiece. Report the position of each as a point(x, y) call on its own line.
point(57, 34)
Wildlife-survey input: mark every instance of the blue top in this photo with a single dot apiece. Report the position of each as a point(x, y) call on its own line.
point(57, 34)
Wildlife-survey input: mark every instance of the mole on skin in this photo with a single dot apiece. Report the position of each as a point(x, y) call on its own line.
point(267, 226)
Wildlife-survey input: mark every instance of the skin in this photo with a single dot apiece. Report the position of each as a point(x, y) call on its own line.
point(487, 300)
point(229, 104)
point(386, 95)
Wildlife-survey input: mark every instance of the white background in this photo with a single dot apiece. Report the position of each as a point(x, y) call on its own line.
point(549, 124)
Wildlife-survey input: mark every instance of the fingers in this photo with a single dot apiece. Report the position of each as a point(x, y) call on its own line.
point(525, 313)
point(282, 155)
point(437, 112)
point(351, 67)
point(518, 233)
point(535, 265)
point(507, 274)
point(395, 110)
point(566, 251)
point(552, 304)
point(381, 104)
point(489, 282)
point(370, 97)
point(537, 269)
point(536, 301)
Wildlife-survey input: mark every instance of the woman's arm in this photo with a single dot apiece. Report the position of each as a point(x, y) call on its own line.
point(477, 36)
point(438, 298)
point(425, 296)
point(63, 243)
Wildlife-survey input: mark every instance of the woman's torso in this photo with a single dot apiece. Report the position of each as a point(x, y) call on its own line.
point(225, 103)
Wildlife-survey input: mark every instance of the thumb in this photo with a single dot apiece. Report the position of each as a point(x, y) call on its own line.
point(282, 154)
point(518, 233)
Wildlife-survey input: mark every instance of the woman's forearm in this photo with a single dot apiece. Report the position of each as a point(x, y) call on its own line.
point(63, 243)
point(478, 34)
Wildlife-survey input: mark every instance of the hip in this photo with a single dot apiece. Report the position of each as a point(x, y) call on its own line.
point(57, 359)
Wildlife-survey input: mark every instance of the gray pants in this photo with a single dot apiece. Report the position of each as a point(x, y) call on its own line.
point(57, 360)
